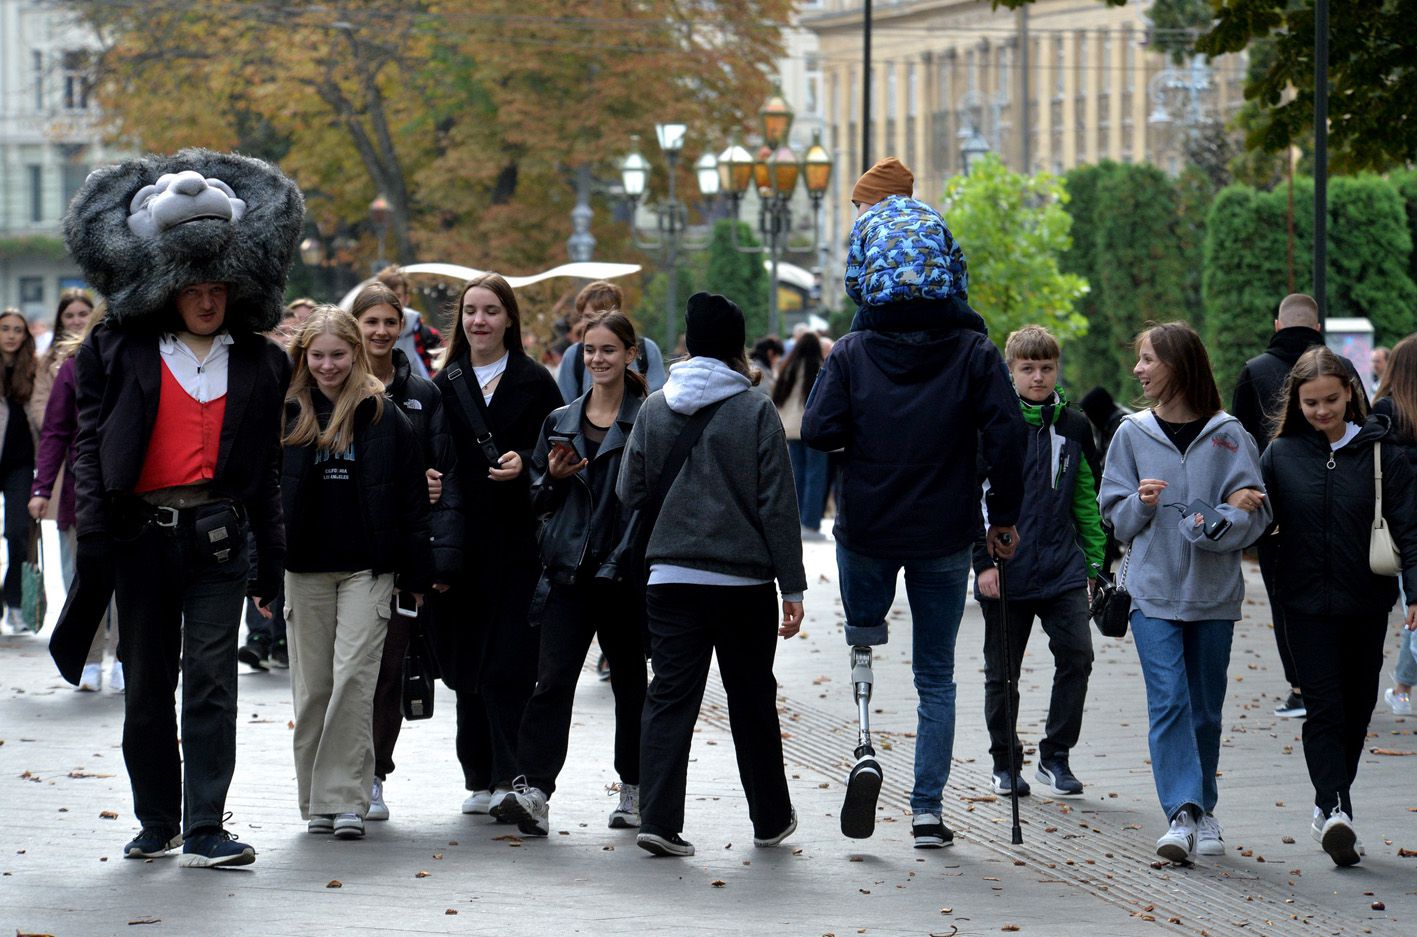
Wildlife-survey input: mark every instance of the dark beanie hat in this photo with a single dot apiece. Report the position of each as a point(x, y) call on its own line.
point(713, 327)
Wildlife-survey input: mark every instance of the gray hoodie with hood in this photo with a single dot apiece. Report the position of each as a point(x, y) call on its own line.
point(733, 508)
point(1173, 570)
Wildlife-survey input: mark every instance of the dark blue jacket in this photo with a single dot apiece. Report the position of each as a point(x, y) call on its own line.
point(909, 408)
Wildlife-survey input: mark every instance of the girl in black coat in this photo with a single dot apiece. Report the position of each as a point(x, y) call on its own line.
point(574, 468)
point(379, 313)
point(1319, 473)
point(498, 399)
point(356, 518)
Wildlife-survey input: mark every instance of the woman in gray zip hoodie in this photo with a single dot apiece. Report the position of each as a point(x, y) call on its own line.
point(1183, 569)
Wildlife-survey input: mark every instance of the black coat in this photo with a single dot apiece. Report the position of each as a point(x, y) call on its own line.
point(393, 493)
point(1323, 518)
point(909, 409)
point(422, 402)
point(118, 378)
point(1256, 402)
point(584, 519)
point(483, 634)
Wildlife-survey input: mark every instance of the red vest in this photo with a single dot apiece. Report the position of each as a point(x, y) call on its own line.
point(186, 439)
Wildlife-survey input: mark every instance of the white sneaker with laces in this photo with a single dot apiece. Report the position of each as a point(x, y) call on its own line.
point(115, 678)
point(498, 801)
point(1209, 841)
point(91, 680)
point(526, 807)
point(348, 826)
point(378, 810)
point(477, 802)
point(1399, 703)
point(1336, 835)
point(626, 815)
point(1180, 840)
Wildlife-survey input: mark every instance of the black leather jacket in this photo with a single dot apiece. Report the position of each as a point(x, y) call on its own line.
point(582, 519)
point(422, 402)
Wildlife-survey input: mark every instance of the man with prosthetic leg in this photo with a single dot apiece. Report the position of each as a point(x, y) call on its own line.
point(918, 356)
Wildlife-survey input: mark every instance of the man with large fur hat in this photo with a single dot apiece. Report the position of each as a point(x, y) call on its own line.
point(180, 401)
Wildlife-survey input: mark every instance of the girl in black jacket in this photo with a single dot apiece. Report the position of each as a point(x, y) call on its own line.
point(356, 519)
point(487, 650)
point(1396, 398)
point(379, 313)
point(1319, 474)
point(574, 468)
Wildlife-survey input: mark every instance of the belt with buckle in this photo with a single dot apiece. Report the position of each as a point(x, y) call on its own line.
point(166, 517)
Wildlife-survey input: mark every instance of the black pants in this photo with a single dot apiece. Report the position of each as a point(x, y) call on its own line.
point(1268, 550)
point(388, 692)
point(178, 610)
point(687, 625)
point(488, 720)
point(1064, 620)
point(1340, 661)
point(15, 487)
point(572, 615)
point(269, 632)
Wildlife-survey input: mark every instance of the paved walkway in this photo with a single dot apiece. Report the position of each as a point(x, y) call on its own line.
point(1085, 868)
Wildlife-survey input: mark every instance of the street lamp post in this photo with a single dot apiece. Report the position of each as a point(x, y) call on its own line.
point(671, 215)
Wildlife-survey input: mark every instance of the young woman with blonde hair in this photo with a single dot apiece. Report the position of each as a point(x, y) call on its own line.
point(356, 520)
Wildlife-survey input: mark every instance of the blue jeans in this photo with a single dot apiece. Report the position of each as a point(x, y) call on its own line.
point(809, 471)
point(1184, 664)
point(1406, 670)
point(935, 588)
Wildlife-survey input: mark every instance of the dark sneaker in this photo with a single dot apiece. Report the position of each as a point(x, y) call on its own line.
point(280, 657)
point(930, 831)
point(858, 808)
point(671, 845)
point(1292, 707)
point(152, 843)
point(210, 849)
point(602, 669)
point(254, 654)
point(1003, 786)
point(766, 842)
point(1059, 778)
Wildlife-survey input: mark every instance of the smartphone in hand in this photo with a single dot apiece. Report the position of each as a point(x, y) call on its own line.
point(563, 443)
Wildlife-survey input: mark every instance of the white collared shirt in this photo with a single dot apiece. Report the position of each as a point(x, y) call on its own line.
point(204, 381)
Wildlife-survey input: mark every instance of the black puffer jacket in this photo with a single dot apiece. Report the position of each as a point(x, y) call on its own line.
point(422, 402)
point(584, 519)
point(393, 494)
point(1323, 518)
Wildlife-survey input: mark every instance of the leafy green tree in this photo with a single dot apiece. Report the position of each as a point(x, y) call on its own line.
point(1088, 360)
point(1370, 249)
point(1014, 229)
point(1141, 260)
point(738, 275)
point(1176, 24)
point(1405, 182)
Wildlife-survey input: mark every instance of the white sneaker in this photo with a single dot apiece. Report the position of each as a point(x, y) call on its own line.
point(498, 801)
point(1336, 835)
point(477, 802)
point(16, 621)
point(91, 681)
point(115, 678)
point(1400, 703)
point(527, 808)
point(378, 810)
point(348, 826)
point(626, 815)
point(1180, 840)
point(1209, 841)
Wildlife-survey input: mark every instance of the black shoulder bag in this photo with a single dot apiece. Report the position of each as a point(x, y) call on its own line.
point(480, 431)
point(626, 563)
point(1111, 606)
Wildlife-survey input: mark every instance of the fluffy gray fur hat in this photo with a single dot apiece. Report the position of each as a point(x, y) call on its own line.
point(143, 229)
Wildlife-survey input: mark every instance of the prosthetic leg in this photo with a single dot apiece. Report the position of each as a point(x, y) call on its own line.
point(863, 784)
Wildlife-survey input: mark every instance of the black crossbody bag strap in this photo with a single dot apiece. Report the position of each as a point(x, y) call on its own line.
point(674, 462)
point(480, 431)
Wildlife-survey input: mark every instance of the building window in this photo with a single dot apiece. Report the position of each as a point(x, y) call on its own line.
point(812, 96)
point(891, 94)
point(74, 174)
point(38, 68)
point(1106, 76)
point(1060, 68)
point(912, 92)
point(1129, 60)
point(36, 174)
point(1004, 62)
point(851, 112)
point(78, 80)
point(32, 295)
point(971, 70)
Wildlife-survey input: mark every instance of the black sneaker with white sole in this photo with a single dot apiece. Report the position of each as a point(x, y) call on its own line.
point(1059, 777)
point(1292, 708)
point(1003, 786)
point(152, 843)
point(930, 831)
point(671, 845)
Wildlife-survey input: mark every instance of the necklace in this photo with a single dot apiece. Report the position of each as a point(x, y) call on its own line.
point(488, 374)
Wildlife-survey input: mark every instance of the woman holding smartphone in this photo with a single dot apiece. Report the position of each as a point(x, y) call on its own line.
point(574, 468)
point(1182, 489)
point(356, 521)
point(1320, 473)
point(380, 316)
point(498, 399)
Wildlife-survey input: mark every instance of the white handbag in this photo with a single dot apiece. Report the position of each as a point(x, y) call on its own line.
point(1383, 558)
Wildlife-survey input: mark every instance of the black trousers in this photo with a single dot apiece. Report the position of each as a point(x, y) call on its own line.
point(1268, 550)
point(1340, 661)
point(181, 613)
point(688, 624)
point(1064, 620)
point(15, 486)
point(388, 692)
point(572, 615)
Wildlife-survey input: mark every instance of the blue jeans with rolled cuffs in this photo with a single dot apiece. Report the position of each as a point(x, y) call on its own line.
point(935, 588)
point(1184, 665)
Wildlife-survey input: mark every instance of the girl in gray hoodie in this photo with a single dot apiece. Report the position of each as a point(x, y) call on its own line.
point(1183, 568)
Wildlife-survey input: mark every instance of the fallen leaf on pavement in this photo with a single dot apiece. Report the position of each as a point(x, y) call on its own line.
point(1390, 751)
point(108, 815)
point(451, 911)
point(422, 873)
point(1407, 853)
point(334, 883)
point(718, 883)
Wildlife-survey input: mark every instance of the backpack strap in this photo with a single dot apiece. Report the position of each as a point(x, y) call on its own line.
point(473, 411)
